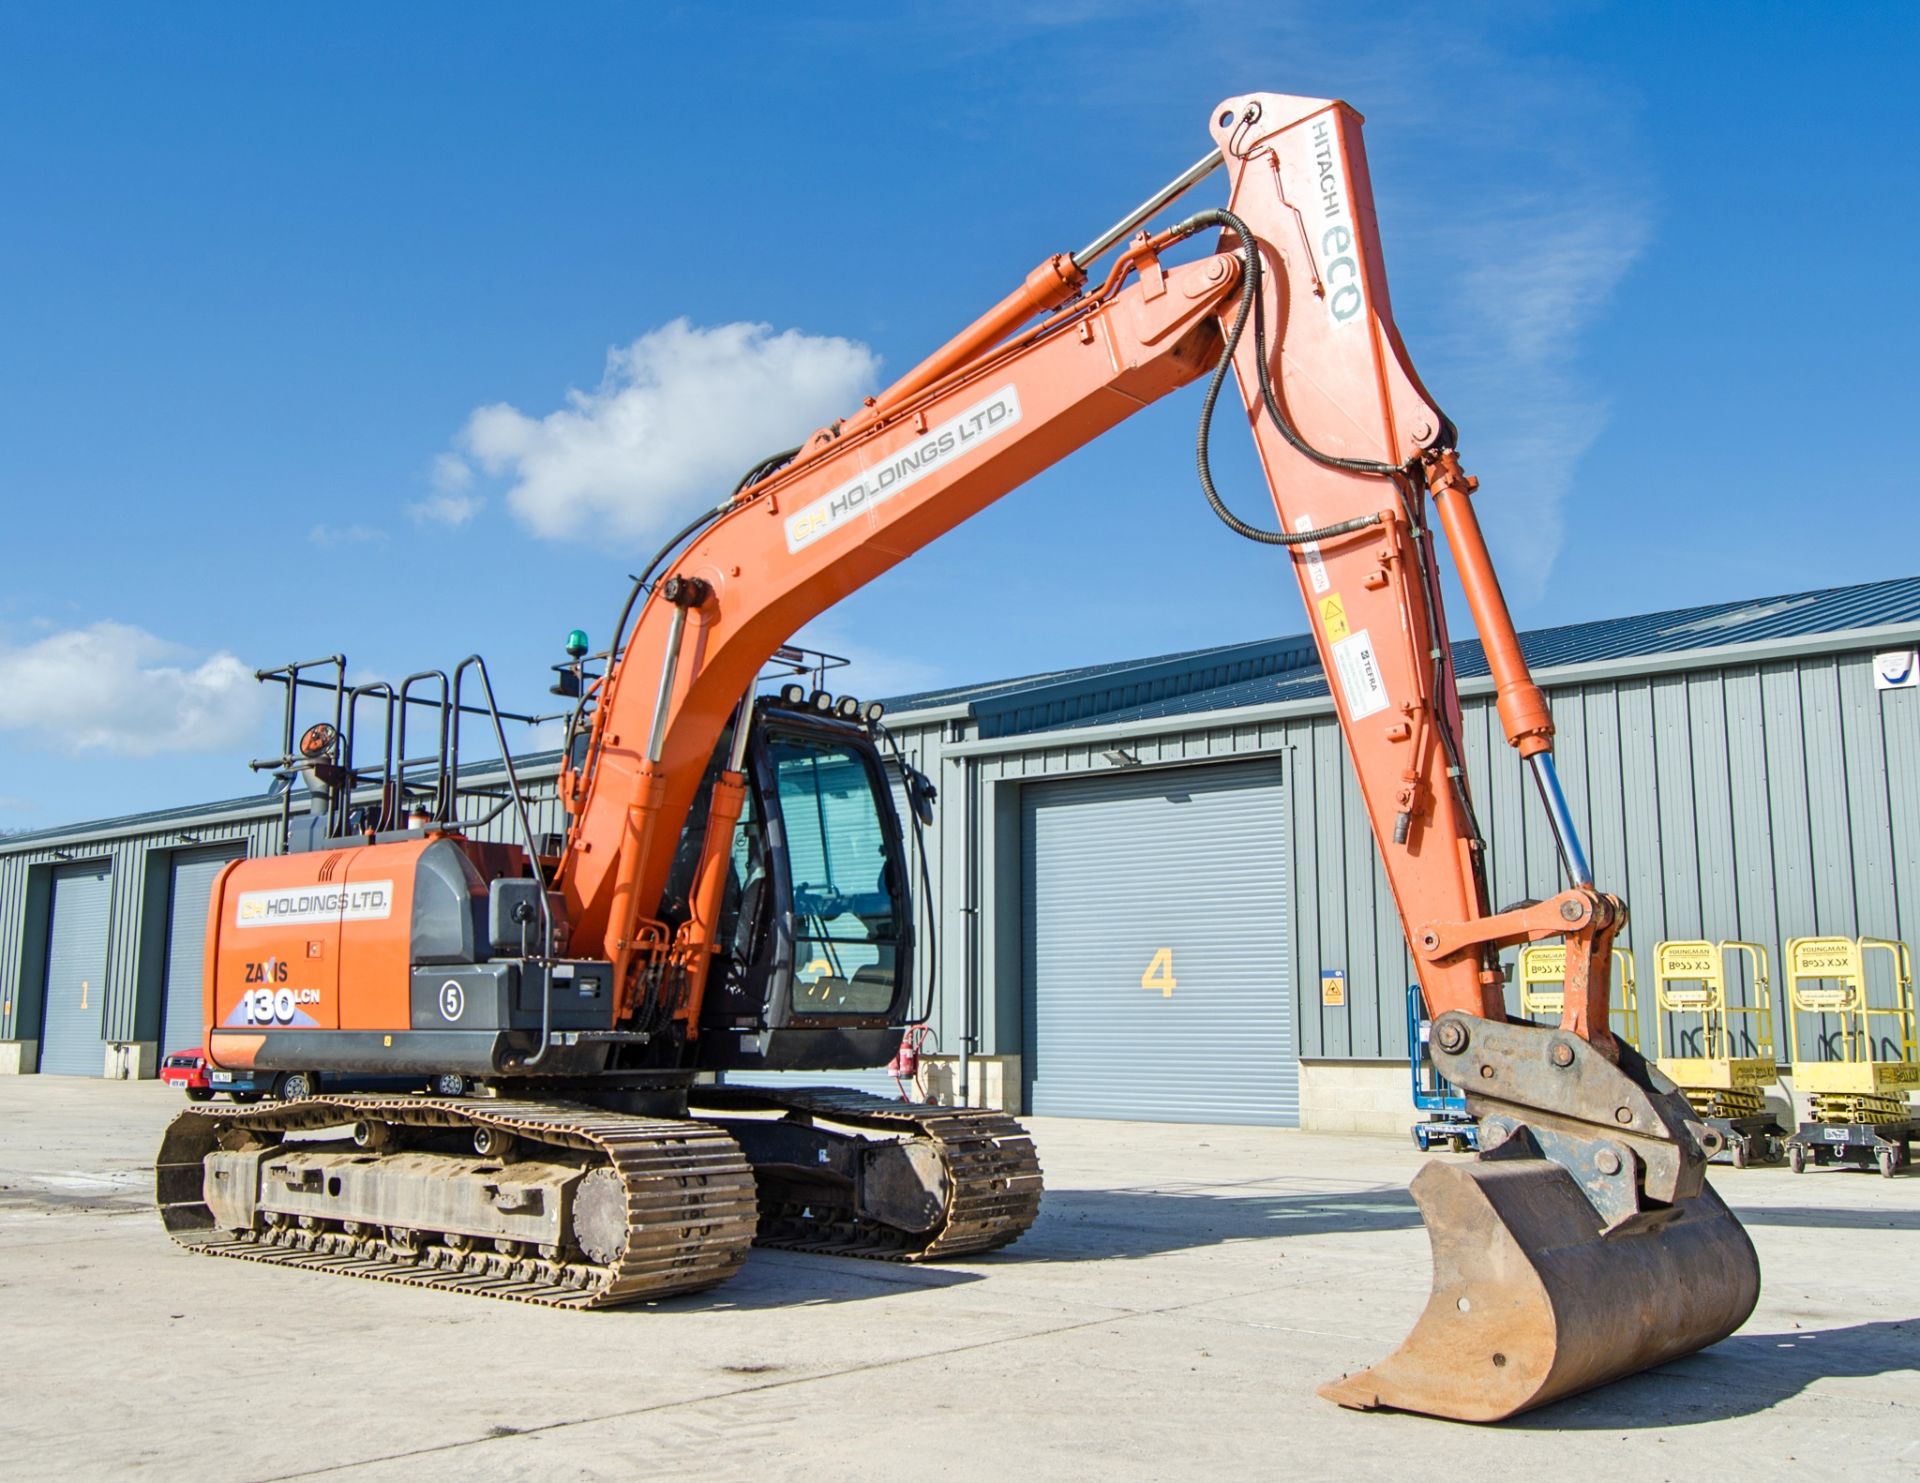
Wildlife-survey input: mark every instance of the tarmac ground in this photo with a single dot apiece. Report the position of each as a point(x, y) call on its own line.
point(1184, 1290)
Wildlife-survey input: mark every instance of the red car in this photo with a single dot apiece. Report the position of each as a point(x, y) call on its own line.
point(188, 1068)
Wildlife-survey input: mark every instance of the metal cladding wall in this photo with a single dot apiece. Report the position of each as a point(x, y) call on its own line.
point(70, 1044)
point(1759, 800)
point(1156, 962)
point(182, 1017)
point(140, 854)
point(1762, 794)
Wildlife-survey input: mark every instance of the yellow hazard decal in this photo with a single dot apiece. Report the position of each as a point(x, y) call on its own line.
point(1333, 617)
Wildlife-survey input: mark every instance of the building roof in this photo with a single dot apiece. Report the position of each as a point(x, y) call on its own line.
point(1230, 676)
point(1288, 668)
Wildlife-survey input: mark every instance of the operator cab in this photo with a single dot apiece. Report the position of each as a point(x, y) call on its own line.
point(814, 965)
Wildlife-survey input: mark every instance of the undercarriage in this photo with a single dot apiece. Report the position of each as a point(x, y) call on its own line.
point(578, 1206)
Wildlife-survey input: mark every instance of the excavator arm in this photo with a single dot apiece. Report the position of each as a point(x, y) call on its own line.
point(1586, 1243)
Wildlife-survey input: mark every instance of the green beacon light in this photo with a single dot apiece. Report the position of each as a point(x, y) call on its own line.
point(577, 644)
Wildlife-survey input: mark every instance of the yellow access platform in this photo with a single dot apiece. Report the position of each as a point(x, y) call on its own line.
point(1729, 1035)
point(1543, 988)
point(1855, 1056)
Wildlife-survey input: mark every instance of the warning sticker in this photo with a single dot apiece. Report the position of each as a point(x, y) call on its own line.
point(1333, 617)
point(1359, 671)
point(1316, 568)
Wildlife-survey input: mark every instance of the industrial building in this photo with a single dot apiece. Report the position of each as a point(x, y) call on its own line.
point(1154, 892)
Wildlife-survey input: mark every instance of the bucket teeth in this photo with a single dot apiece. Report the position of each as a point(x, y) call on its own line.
point(1532, 1302)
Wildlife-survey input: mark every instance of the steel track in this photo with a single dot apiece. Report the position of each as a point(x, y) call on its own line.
point(691, 1209)
point(993, 1173)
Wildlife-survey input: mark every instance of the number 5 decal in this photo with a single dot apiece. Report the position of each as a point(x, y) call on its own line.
point(1159, 974)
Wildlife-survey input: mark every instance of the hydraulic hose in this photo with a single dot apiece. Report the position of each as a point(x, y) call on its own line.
point(1249, 302)
point(1251, 290)
point(768, 465)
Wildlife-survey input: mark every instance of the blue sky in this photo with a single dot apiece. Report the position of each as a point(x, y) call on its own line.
point(290, 298)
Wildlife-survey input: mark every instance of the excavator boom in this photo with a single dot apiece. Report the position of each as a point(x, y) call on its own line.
point(1585, 1244)
point(1592, 1187)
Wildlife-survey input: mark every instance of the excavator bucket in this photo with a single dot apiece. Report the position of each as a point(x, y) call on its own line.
point(1531, 1302)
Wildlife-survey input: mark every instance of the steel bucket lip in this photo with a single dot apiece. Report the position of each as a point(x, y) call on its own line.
point(1552, 1307)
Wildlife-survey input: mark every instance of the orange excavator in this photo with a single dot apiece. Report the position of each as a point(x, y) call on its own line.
point(732, 893)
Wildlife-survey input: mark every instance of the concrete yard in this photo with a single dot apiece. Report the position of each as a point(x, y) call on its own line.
point(1185, 1289)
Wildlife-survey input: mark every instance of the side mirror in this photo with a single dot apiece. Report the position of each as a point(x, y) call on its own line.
point(920, 795)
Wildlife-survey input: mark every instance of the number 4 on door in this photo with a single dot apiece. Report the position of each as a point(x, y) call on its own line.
point(1159, 974)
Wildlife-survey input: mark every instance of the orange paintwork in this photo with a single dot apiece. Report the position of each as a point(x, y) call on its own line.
point(1297, 175)
point(1523, 708)
point(277, 954)
point(691, 951)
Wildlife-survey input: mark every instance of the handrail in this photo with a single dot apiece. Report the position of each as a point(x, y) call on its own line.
point(1703, 964)
point(479, 666)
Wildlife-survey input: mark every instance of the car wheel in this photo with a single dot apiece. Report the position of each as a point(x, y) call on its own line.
point(297, 1086)
point(199, 1094)
point(449, 1084)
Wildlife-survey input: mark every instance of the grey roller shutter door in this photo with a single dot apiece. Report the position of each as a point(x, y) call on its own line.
point(1177, 877)
point(70, 1043)
point(189, 890)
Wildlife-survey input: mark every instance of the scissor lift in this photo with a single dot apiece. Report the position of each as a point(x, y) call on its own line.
point(1858, 1065)
point(1725, 1081)
point(1449, 1121)
point(1542, 972)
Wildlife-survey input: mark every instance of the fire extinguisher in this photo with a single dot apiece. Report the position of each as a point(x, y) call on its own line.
point(905, 1065)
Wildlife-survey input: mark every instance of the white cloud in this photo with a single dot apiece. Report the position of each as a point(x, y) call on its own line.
point(678, 415)
point(451, 473)
point(112, 687)
point(452, 501)
point(1555, 268)
point(446, 509)
point(1526, 416)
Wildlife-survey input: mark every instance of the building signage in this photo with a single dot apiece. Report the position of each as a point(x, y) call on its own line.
point(1333, 987)
point(939, 448)
point(1896, 669)
point(364, 901)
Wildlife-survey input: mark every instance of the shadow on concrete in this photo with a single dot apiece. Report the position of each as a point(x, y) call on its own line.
point(1737, 1377)
point(1074, 1226)
point(1078, 1225)
point(794, 1279)
point(1808, 1217)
